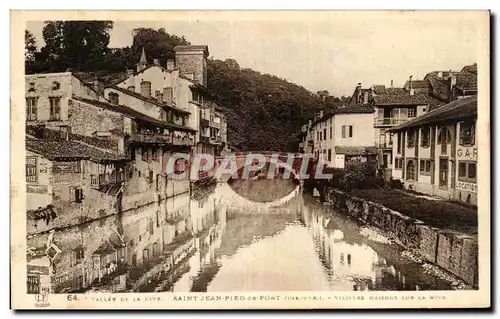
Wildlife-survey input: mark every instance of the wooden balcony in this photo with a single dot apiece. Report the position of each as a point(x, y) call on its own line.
point(163, 139)
point(98, 181)
point(389, 121)
point(384, 144)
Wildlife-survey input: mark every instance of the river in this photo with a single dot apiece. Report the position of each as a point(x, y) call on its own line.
point(200, 243)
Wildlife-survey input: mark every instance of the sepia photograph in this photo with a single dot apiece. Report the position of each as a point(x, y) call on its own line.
point(239, 159)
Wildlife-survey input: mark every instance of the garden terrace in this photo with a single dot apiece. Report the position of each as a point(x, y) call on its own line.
point(436, 213)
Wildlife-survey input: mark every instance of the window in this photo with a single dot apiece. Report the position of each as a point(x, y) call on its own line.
point(400, 142)
point(349, 259)
point(145, 255)
point(467, 171)
point(31, 87)
point(77, 194)
point(329, 155)
point(114, 98)
point(320, 136)
point(31, 169)
point(411, 138)
point(462, 169)
point(444, 136)
point(77, 256)
point(151, 227)
point(324, 133)
point(158, 182)
point(31, 108)
point(155, 154)
point(150, 178)
point(56, 86)
point(398, 163)
point(168, 94)
point(467, 133)
point(55, 108)
point(131, 88)
point(145, 154)
point(410, 170)
point(157, 95)
point(146, 88)
point(347, 131)
point(412, 112)
point(425, 138)
point(472, 171)
point(331, 135)
point(425, 166)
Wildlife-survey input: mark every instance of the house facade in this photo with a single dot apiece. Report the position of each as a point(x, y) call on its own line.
point(436, 154)
point(345, 135)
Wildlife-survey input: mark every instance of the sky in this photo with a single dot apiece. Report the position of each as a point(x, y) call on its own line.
point(323, 50)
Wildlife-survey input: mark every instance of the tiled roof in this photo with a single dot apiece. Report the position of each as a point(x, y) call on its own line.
point(54, 150)
point(400, 99)
point(461, 108)
point(470, 68)
point(418, 84)
point(356, 150)
point(46, 133)
point(466, 81)
point(354, 109)
point(148, 99)
point(396, 91)
point(379, 89)
point(129, 112)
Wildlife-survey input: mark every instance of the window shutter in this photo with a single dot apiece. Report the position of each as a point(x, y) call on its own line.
point(343, 131)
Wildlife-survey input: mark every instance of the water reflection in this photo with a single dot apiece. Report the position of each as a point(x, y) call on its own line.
point(201, 243)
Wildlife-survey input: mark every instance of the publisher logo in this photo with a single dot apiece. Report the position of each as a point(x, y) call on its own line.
point(42, 299)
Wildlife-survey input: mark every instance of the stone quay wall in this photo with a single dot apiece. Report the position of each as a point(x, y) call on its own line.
point(453, 251)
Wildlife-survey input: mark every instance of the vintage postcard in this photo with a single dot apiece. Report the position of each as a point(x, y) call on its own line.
point(250, 160)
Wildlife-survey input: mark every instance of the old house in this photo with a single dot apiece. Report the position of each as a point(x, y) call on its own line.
point(345, 135)
point(69, 182)
point(436, 153)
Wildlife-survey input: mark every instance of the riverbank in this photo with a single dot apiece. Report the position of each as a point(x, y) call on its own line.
point(454, 251)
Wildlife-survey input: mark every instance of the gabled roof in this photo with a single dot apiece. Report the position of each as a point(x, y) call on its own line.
point(418, 84)
point(461, 108)
point(129, 112)
point(149, 99)
point(60, 150)
point(400, 99)
point(354, 109)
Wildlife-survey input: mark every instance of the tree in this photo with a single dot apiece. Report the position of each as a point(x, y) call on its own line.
point(157, 44)
point(29, 46)
point(80, 45)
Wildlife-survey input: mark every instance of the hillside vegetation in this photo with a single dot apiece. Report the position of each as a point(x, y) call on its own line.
point(263, 111)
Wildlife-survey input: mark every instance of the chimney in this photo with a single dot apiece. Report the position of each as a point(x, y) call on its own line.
point(365, 97)
point(453, 81)
point(440, 74)
point(192, 59)
point(412, 91)
point(392, 84)
point(170, 64)
point(156, 61)
point(321, 114)
point(95, 85)
point(130, 72)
